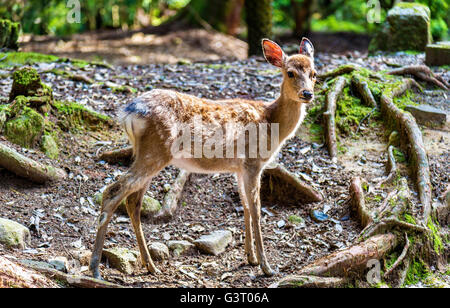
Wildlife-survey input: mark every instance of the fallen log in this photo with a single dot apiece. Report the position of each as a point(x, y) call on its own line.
point(352, 261)
point(28, 168)
point(123, 156)
point(329, 115)
point(406, 125)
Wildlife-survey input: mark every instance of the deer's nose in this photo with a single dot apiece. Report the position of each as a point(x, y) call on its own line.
point(307, 94)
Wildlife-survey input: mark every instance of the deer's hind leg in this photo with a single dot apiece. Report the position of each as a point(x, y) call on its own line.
point(249, 240)
point(134, 205)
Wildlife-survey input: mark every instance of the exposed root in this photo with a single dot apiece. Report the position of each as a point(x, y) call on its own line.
point(329, 115)
point(390, 223)
point(400, 258)
point(172, 198)
point(422, 72)
point(358, 202)
point(123, 156)
point(392, 167)
point(278, 185)
point(352, 260)
point(13, 275)
point(308, 281)
point(28, 168)
point(364, 91)
point(341, 70)
point(407, 126)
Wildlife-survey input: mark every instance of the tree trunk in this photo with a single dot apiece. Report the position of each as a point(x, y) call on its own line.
point(302, 16)
point(233, 18)
point(259, 23)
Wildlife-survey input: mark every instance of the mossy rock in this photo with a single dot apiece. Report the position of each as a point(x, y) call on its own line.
point(26, 128)
point(150, 206)
point(407, 27)
point(9, 34)
point(49, 146)
point(13, 234)
point(72, 116)
point(27, 82)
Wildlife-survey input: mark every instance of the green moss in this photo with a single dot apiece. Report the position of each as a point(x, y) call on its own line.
point(26, 128)
point(9, 34)
point(294, 219)
point(316, 132)
point(123, 89)
point(436, 238)
point(49, 146)
point(417, 272)
point(27, 82)
point(399, 156)
point(409, 219)
point(405, 100)
point(25, 58)
point(73, 116)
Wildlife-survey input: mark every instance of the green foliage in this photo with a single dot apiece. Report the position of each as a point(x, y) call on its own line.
point(418, 271)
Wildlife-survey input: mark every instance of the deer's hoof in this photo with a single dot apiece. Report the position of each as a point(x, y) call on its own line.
point(268, 271)
point(253, 261)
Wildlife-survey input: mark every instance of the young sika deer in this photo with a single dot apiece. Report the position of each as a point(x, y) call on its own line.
point(153, 122)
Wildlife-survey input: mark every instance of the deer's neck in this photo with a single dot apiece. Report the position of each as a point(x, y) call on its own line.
point(288, 113)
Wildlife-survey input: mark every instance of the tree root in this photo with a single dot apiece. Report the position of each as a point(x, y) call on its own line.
point(13, 275)
point(172, 198)
point(280, 185)
point(123, 156)
point(406, 125)
point(341, 70)
point(358, 202)
point(364, 91)
point(352, 260)
point(28, 168)
point(392, 167)
point(422, 72)
point(329, 115)
point(74, 280)
point(400, 258)
point(307, 281)
point(390, 223)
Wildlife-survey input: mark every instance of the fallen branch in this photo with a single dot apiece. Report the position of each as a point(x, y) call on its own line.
point(329, 115)
point(422, 72)
point(28, 168)
point(400, 258)
point(407, 126)
point(172, 197)
point(278, 184)
point(306, 281)
point(74, 280)
point(352, 260)
point(358, 202)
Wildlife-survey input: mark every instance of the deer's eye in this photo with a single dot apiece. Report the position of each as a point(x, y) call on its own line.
point(313, 75)
point(290, 74)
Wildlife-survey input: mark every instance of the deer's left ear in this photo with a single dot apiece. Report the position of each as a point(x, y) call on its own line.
point(306, 48)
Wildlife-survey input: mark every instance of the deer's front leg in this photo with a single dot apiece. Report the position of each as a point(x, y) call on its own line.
point(252, 184)
point(249, 241)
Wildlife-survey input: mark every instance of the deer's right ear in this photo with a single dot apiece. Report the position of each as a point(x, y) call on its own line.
point(273, 53)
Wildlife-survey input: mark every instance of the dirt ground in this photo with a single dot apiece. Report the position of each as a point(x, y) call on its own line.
point(210, 202)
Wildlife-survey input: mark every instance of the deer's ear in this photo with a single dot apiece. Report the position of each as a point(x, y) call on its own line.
point(306, 48)
point(273, 53)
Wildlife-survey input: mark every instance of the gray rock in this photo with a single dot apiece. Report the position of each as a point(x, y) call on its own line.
point(426, 114)
point(214, 243)
point(158, 251)
point(122, 259)
point(13, 234)
point(179, 248)
point(407, 27)
point(438, 54)
point(82, 255)
point(59, 263)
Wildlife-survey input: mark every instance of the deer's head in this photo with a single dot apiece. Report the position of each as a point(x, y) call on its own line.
point(299, 75)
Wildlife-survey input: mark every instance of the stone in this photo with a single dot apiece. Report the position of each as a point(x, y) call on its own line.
point(27, 82)
point(49, 146)
point(122, 259)
point(407, 27)
point(13, 234)
point(59, 263)
point(437, 54)
point(215, 242)
point(26, 128)
point(425, 114)
point(150, 206)
point(158, 251)
point(179, 248)
point(9, 34)
point(82, 255)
